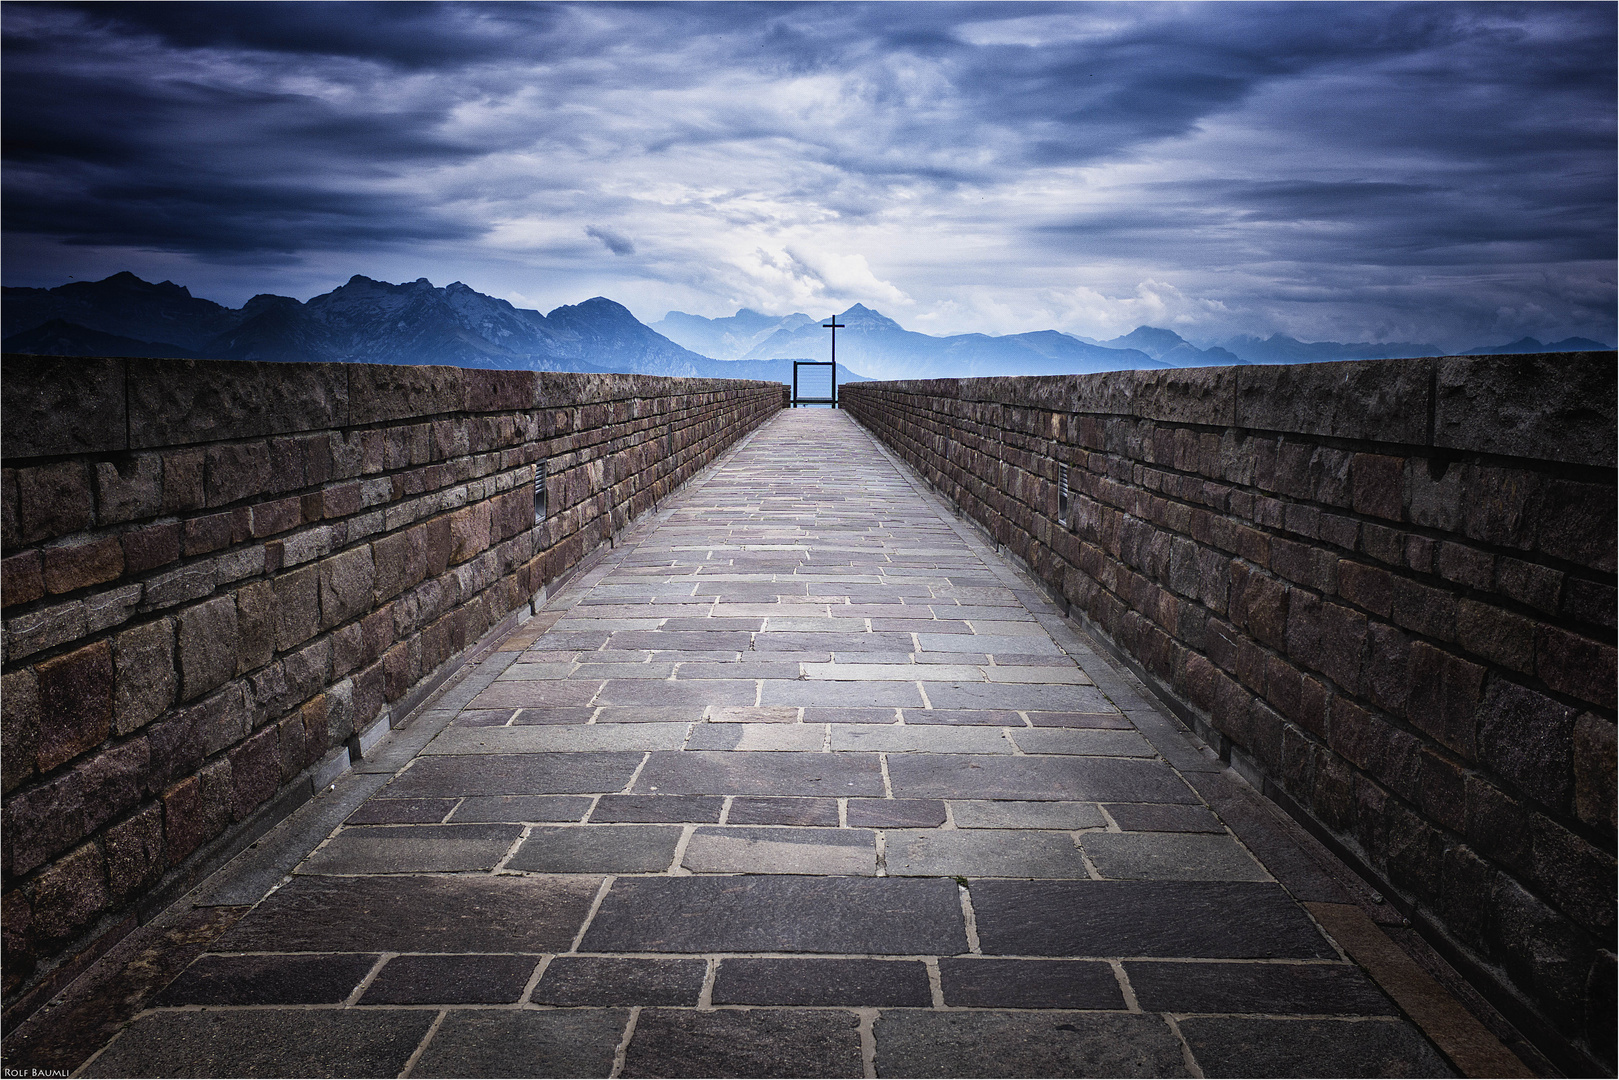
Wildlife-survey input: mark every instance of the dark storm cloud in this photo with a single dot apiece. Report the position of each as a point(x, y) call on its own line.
point(1243, 149)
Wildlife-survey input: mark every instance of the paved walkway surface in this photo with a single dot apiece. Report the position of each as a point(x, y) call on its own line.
point(802, 780)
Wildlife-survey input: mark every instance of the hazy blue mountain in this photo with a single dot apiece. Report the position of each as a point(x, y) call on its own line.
point(363, 320)
point(729, 338)
point(1530, 345)
point(881, 348)
point(1168, 347)
point(1281, 349)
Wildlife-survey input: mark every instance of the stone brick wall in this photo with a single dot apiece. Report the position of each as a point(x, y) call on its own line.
point(1384, 589)
point(222, 581)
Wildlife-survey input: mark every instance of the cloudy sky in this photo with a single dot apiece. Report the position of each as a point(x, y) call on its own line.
point(1440, 173)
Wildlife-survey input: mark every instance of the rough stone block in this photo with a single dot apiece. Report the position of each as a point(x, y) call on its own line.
point(151, 547)
point(1575, 665)
point(76, 703)
point(1577, 523)
point(70, 895)
point(236, 471)
point(143, 659)
point(19, 727)
point(346, 586)
point(1526, 738)
point(1594, 762)
point(208, 533)
point(1496, 634)
point(1379, 400)
point(1552, 406)
point(129, 488)
point(1501, 505)
point(469, 532)
point(196, 810)
point(255, 625)
point(208, 646)
point(297, 606)
point(62, 405)
point(53, 500)
point(135, 859)
point(255, 770)
point(1378, 483)
point(1444, 696)
point(22, 578)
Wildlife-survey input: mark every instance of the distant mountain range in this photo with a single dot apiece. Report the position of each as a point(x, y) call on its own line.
point(417, 323)
point(364, 320)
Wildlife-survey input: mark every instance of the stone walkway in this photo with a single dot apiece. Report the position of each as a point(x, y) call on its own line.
point(801, 780)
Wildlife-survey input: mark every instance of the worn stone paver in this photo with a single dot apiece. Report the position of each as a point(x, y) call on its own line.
point(802, 779)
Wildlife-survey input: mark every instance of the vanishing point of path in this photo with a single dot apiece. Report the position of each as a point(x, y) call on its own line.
point(801, 780)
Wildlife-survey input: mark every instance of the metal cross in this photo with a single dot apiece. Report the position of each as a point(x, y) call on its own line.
point(834, 326)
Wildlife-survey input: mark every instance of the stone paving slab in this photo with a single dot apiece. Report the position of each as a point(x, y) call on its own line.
point(933, 1044)
point(415, 914)
point(801, 779)
point(266, 1042)
point(413, 849)
point(883, 916)
point(564, 1042)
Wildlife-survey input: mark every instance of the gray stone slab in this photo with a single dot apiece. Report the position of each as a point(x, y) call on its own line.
point(552, 1042)
point(491, 717)
point(415, 914)
point(734, 736)
point(402, 812)
point(1171, 857)
point(753, 714)
point(800, 642)
point(540, 739)
point(603, 980)
point(754, 1043)
point(657, 671)
point(862, 983)
point(779, 913)
point(522, 808)
point(1097, 742)
point(976, 814)
point(682, 692)
point(547, 670)
point(1272, 989)
point(919, 739)
point(697, 772)
point(266, 1042)
point(451, 980)
point(654, 808)
point(1067, 779)
point(598, 849)
point(1210, 919)
point(536, 693)
point(555, 714)
point(988, 643)
point(516, 774)
point(896, 813)
point(856, 695)
point(814, 715)
point(1164, 817)
point(770, 810)
point(685, 640)
point(412, 849)
point(982, 853)
point(983, 983)
point(651, 714)
point(1243, 1046)
point(320, 979)
point(1042, 1044)
point(780, 850)
point(965, 717)
point(1078, 719)
point(1020, 696)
